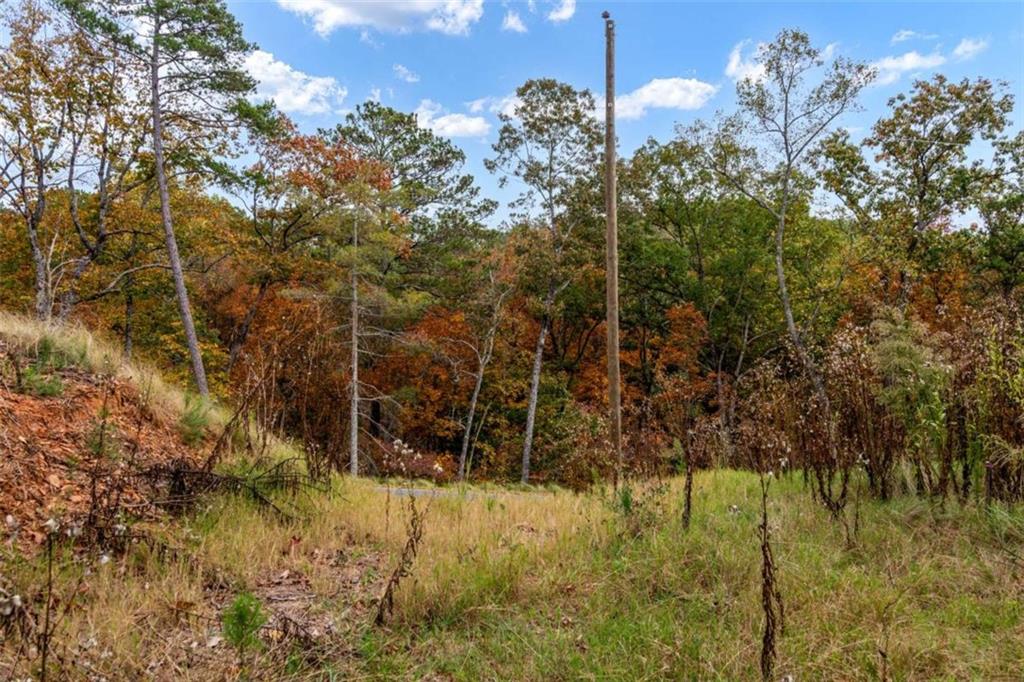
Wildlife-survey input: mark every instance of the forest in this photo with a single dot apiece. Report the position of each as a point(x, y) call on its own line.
point(839, 321)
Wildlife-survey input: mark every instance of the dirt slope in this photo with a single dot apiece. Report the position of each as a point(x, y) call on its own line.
point(74, 443)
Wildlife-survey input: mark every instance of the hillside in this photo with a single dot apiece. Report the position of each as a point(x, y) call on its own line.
point(525, 584)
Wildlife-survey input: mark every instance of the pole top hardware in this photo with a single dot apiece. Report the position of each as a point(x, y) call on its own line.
point(605, 15)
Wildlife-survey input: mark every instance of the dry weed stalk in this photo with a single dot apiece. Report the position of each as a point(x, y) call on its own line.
point(414, 534)
point(771, 597)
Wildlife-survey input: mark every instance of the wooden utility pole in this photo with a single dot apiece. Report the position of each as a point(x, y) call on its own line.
point(612, 244)
point(353, 419)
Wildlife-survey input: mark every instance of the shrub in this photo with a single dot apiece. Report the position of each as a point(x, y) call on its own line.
point(914, 380)
point(195, 418)
point(242, 621)
point(36, 382)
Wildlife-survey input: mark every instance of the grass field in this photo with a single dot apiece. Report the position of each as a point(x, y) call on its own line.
point(561, 586)
point(532, 585)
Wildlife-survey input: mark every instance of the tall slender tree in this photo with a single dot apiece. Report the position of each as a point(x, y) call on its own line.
point(550, 144)
point(193, 50)
point(788, 110)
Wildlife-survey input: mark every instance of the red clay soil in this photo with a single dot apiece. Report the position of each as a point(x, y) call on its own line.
point(52, 464)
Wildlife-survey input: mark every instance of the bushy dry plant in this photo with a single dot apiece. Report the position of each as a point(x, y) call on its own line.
point(867, 430)
point(991, 402)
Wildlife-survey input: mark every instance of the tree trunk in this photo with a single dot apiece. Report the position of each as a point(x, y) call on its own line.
point(538, 360)
point(467, 434)
point(69, 299)
point(129, 313)
point(198, 371)
point(353, 418)
point(484, 359)
point(44, 297)
point(376, 417)
point(40, 260)
point(787, 309)
point(834, 502)
point(242, 332)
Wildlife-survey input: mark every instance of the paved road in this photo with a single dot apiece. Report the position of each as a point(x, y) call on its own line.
point(402, 491)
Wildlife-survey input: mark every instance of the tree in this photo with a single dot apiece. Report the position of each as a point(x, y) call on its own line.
point(430, 207)
point(791, 113)
point(691, 237)
point(330, 171)
point(107, 132)
point(1002, 210)
point(40, 73)
point(194, 51)
point(287, 195)
point(550, 144)
point(425, 170)
point(923, 176)
point(425, 209)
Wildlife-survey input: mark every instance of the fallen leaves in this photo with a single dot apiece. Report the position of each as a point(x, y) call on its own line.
point(49, 458)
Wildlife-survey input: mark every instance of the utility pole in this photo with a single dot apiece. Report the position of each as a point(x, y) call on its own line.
point(612, 244)
point(353, 433)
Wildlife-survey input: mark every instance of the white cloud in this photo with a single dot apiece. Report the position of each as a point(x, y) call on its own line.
point(402, 73)
point(454, 17)
point(665, 93)
point(906, 34)
point(891, 68)
point(292, 90)
point(970, 47)
point(496, 105)
point(738, 68)
point(513, 23)
point(457, 16)
point(374, 95)
point(431, 115)
point(563, 12)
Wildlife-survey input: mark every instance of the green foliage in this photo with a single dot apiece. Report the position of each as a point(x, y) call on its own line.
point(241, 623)
point(101, 441)
point(38, 382)
point(39, 378)
point(915, 379)
point(195, 419)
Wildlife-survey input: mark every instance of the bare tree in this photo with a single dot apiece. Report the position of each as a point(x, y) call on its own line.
point(494, 301)
point(107, 130)
point(39, 72)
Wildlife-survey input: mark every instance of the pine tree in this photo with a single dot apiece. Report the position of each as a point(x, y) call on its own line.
point(194, 51)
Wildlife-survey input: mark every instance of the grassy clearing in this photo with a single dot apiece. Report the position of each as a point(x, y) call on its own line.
point(561, 586)
point(939, 591)
point(535, 585)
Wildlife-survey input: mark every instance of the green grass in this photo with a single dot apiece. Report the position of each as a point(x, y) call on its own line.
point(36, 381)
point(558, 586)
point(942, 586)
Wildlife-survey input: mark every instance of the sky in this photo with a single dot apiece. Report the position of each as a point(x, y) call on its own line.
point(457, 63)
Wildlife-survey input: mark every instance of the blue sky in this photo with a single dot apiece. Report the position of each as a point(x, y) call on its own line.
point(457, 62)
